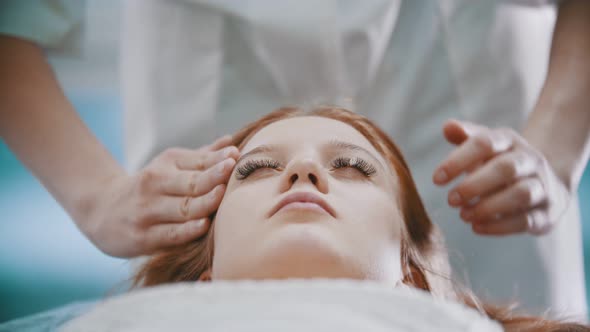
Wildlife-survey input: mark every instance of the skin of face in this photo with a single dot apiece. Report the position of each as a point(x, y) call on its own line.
point(360, 241)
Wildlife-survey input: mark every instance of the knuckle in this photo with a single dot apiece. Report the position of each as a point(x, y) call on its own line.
point(523, 194)
point(484, 142)
point(467, 190)
point(185, 207)
point(147, 178)
point(145, 213)
point(507, 168)
point(449, 167)
point(201, 161)
point(142, 204)
point(173, 235)
point(193, 183)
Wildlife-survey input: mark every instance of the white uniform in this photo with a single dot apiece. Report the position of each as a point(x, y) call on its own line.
point(193, 70)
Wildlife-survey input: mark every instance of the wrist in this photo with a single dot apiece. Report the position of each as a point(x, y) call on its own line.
point(559, 159)
point(89, 201)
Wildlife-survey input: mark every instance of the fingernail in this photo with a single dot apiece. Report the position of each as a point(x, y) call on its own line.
point(455, 198)
point(441, 176)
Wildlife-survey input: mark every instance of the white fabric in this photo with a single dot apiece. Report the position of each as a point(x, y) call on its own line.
point(292, 305)
point(193, 70)
point(56, 25)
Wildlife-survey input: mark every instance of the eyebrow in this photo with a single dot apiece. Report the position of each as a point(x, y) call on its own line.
point(334, 143)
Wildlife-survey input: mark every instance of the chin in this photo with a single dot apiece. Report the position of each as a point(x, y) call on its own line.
point(304, 251)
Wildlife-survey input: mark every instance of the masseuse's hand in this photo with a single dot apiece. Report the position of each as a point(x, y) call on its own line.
point(165, 204)
point(509, 188)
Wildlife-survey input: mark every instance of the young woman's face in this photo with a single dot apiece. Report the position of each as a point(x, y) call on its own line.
point(354, 233)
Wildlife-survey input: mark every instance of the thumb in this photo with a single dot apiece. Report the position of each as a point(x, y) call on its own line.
point(457, 132)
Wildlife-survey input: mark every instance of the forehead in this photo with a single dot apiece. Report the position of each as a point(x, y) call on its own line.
point(308, 130)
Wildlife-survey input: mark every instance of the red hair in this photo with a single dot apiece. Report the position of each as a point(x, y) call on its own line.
point(424, 258)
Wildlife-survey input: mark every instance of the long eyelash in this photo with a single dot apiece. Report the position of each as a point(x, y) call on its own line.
point(358, 163)
point(250, 166)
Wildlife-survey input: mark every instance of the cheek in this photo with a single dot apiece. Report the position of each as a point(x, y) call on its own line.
point(374, 212)
point(230, 226)
point(241, 209)
point(232, 214)
point(387, 215)
point(373, 232)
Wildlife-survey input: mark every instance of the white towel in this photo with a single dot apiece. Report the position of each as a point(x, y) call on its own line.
point(289, 305)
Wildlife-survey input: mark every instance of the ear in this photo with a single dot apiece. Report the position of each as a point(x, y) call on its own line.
point(206, 275)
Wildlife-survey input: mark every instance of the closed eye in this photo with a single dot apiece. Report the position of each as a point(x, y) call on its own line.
point(360, 164)
point(251, 166)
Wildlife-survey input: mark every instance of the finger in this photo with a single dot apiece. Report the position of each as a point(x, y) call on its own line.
point(474, 167)
point(521, 196)
point(174, 209)
point(507, 226)
point(478, 148)
point(219, 143)
point(197, 183)
point(199, 160)
point(167, 235)
point(538, 222)
point(494, 175)
point(456, 132)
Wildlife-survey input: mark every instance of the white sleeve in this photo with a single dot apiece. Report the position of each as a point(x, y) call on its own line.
point(55, 25)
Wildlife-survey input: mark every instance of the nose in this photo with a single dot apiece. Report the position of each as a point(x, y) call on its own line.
point(305, 172)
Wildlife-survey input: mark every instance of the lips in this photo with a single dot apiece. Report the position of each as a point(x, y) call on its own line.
point(303, 197)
